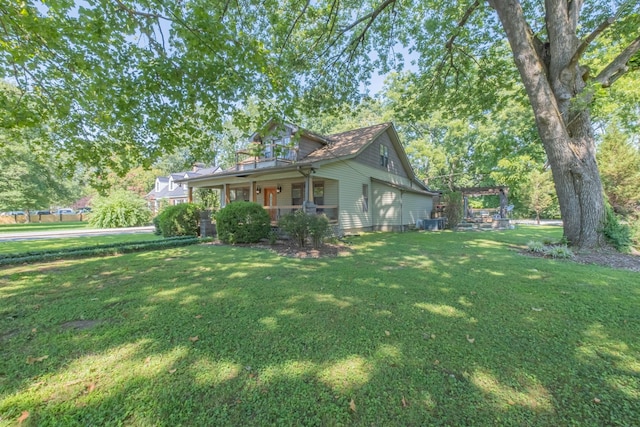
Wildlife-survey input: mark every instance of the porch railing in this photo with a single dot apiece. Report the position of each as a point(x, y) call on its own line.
point(276, 212)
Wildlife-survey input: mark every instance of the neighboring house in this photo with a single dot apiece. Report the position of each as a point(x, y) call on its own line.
point(361, 179)
point(168, 191)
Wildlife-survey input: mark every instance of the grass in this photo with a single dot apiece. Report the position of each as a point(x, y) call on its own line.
point(19, 246)
point(44, 226)
point(410, 329)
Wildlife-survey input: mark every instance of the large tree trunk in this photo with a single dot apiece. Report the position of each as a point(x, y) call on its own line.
point(552, 82)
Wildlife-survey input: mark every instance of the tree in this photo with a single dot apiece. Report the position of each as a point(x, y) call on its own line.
point(30, 178)
point(620, 168)
point(539, 192)
point(138, 78)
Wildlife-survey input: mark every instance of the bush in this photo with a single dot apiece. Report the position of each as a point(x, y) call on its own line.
point(296, 225)
point(179, 220)
point(300, 226)
point(318, 229)
point(536, 246)
point(618, 234)
point(243, 222)
point(121, 208)
point(558, 251)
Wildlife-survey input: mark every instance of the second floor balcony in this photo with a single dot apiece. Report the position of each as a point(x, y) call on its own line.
point(261, 155)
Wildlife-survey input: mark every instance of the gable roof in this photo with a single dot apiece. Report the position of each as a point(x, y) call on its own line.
point(347, 144)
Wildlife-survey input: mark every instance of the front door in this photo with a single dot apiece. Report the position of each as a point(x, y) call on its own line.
point(270, 202)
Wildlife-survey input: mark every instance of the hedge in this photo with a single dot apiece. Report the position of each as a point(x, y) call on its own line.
point(99, 250)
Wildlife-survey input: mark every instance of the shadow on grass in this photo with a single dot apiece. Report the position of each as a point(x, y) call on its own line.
point(412, 329)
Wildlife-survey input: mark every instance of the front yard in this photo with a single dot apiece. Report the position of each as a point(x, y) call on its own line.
point(404, 329)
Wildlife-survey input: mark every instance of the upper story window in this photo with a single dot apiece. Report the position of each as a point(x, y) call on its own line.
point(384, 155)
point(171, 185)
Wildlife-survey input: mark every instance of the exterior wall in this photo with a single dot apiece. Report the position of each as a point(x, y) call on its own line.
point(371, 156)
point(306, 146)
point(349, 194)
point(387, 207)
point(385, 210)
point(415, 207)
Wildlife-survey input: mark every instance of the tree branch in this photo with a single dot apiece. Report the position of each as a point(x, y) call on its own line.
point(139, 13)
point(618, 67)
point(370, 16)
point(587, 41)
point(461, 23)
point(295, 23)
point(575, 6)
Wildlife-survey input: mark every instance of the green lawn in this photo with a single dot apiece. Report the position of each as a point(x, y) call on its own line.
point(44, 226)
point(409, 329)
point(19, 246)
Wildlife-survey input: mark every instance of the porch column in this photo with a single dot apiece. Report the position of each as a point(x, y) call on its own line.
point(309, 206)
point(224, 195)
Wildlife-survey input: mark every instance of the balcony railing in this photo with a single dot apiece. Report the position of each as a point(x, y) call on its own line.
point(265, 155)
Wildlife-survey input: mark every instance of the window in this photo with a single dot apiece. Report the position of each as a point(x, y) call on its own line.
point(297, 194)
point(318, 193)
point(171, 187)
point(365, 198)
point(384, 156)
point(238, 194)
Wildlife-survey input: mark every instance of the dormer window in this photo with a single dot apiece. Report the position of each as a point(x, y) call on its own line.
point(171, 186)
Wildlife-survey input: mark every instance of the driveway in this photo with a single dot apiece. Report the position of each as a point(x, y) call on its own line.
point(52, 234)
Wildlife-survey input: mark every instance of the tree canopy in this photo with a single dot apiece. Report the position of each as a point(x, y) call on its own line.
point(128, 80)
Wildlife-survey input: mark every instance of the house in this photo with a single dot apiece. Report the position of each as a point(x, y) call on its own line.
point(168, 191)
point(361, 179)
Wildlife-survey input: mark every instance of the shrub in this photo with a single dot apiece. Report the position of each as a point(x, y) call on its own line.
point(535, 246)
point(179, 220)
point(243, 222)
point(318, 229)
point(558, 251)
point(618, 234)
point(120, 208)
point(296, 225)
point(300, 226)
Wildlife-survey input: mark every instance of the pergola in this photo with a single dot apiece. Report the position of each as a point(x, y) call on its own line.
point(502, 191)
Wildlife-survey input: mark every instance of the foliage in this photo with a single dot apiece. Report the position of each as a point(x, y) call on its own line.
point(29, 176)
point(300, 226)
point(207, 197)
point(242, 222)
point(319, 229)
point(619, 163)
point(97, 250)
point(536, 246)
point(179, 220)
point(558, 251)
point(453, 208)
point(296, 225)
point(120, 208)
point(538, 191)
point(415, 329)
point(617, 233)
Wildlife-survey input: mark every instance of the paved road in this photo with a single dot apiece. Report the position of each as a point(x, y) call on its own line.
point(51, 234)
